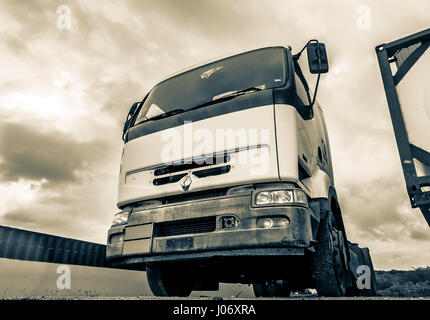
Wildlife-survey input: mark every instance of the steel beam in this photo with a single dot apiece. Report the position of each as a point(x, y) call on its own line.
point(405, 52)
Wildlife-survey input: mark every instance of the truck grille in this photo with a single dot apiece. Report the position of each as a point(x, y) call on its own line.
point(181, 227)
point(206, 194)
point(202, 167)
point(200, 174)
point(170, 179)
point(194, 164)
point(212, 172)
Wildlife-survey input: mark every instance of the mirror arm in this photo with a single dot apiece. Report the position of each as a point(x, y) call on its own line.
point(297, 55)
point(315, 92)
point(316, 85)
point(318, 81)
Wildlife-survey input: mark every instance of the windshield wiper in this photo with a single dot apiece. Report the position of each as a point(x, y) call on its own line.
point(227, 96)
point(216, 99)
point(236, 93)
point(165, 115)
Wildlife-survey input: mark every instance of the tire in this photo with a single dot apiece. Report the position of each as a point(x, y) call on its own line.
point(328, 263)
point(277, 288)
point(169, 281)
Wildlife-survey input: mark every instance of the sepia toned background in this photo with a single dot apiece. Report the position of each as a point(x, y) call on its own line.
point(65, 90)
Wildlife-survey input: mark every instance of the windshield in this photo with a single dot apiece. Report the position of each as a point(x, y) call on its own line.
point(260, 69)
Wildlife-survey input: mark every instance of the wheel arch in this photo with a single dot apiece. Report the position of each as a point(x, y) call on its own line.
point(331, 204)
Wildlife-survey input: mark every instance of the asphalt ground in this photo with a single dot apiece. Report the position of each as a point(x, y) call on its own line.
point(45, 281)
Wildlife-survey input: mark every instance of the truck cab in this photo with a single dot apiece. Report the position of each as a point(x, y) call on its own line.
point(226, 176)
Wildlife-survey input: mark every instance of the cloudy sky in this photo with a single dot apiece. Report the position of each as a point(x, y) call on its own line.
point(66, 89)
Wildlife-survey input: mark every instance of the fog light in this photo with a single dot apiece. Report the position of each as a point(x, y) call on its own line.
point(283, 222)
point(273, 222)
point(268, 223)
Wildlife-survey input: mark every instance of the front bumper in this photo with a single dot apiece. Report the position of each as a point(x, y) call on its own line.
point(139, 242)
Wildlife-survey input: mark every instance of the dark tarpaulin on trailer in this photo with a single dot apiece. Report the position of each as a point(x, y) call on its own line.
point(34, 246)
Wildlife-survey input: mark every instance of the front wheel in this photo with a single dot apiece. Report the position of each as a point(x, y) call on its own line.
point(169, 280)
point(329, 262)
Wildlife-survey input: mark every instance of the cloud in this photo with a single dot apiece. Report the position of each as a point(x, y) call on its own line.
point(211, 18)
point(116, 95)
point(18, 216)
point(65, 95)
point(16, 46)
point(28, 153)
point(33, 16)
point(77, 210)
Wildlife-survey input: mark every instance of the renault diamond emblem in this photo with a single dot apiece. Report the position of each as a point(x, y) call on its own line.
point(186, 182)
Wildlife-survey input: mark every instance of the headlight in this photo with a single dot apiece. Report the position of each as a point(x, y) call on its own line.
point(270, 197)
point(274, 197)
point(120, 218)
point(300, 196)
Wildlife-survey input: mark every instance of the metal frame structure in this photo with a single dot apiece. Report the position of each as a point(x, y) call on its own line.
point(405, 53)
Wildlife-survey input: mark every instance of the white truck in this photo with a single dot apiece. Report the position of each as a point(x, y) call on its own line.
point(226, 176)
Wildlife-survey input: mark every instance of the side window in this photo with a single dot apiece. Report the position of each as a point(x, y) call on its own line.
point(301, 91)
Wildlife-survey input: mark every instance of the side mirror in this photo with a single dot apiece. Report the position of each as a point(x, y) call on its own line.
point(129, 118)
point(317, 58)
